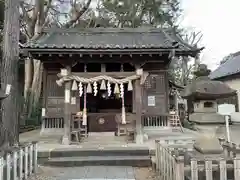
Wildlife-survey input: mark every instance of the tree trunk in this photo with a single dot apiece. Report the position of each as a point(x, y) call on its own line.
point(184, 70)
point(28, 76)
point(9, 73)
point(36, 87)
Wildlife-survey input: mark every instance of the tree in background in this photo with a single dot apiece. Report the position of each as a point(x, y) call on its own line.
point(38, 14)
point(9, 74)
point(135, 13)
point(35, 16)
point(181, 69)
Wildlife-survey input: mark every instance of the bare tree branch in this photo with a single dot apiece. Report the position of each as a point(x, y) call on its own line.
point(78, 14)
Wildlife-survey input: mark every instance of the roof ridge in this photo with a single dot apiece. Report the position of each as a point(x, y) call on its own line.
point(104, 30)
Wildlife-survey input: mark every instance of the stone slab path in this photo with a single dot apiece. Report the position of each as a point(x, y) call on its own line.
point(94, 173)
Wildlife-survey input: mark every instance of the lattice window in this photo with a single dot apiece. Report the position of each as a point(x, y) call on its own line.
point(161, 86)
point(150, 82)
point(53, 90)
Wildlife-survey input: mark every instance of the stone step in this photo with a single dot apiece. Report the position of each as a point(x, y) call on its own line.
point(96, 152)
point(134, 161)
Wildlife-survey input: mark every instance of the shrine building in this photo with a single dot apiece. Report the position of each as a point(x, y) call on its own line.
point(108, 79)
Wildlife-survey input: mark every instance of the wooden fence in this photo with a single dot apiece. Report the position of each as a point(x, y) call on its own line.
point(153, 122)
point(171, 164)
point(20, 163)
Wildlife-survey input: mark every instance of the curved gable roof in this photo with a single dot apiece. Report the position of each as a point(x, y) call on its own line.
point(109, 38)
point(230, 67)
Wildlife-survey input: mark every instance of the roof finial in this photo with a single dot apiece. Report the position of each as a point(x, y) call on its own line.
point(202, 70)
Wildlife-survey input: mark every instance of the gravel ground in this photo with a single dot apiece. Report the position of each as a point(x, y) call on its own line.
point(60, 173)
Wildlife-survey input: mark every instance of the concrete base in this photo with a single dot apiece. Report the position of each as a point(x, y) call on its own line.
point(139, 139)
point(206, 117)
point(65, 140)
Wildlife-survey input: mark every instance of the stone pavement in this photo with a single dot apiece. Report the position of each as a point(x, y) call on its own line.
point(94, 173)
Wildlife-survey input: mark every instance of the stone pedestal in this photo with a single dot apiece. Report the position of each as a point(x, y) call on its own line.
point(206, 118)
point(139, 139)
point(208, 145)
point(65, 140)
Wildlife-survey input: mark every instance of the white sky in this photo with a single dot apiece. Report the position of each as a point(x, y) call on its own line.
point(219, 21)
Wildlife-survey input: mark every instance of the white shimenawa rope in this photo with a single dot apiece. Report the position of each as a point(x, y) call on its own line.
point(100, 78)
point(97, 79)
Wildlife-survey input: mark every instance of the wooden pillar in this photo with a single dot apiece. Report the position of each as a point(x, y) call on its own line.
point(138, 108)
point(133, 100)
point(67, 111)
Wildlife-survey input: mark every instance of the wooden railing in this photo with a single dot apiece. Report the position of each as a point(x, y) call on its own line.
point(171, 165)
point(150, 121)
point(168, 167)
point(52, 125)
point(20, 163)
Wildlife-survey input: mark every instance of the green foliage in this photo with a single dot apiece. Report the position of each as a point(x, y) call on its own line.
point(35, 116)
point(189, 125)
point(1, 18)
point(202, 71)
point(1, 13)
point(135, 13)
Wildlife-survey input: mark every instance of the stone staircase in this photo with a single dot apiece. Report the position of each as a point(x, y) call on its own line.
point(118, 156)
point(98, 150)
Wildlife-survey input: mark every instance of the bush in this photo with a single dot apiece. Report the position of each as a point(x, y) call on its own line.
point(189, 125)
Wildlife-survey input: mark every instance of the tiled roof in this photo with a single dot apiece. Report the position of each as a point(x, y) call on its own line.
point(108, 38)
point(230, 67)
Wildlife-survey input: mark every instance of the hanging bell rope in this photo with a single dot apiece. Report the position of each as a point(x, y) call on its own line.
point(123, 104)
point(123, 114)
point(84, 123)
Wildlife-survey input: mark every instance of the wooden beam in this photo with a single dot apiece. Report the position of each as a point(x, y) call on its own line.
point(112, 74)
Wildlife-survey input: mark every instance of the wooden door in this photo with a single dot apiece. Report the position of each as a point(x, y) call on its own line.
point(102, 122)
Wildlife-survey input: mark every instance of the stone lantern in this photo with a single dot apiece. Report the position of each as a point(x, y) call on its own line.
point(201, 95)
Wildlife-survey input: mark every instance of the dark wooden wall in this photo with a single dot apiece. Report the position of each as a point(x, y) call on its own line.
point(156, 85)
point(54, 96)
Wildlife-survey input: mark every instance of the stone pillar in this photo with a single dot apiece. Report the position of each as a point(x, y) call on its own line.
point(67, 111)
point(138, 108)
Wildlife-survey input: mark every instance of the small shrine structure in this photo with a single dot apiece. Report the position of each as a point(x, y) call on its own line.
point(202, 95)
point(106, 73)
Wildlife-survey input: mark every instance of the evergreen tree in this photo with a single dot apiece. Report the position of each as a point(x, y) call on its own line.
point(135, 13)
